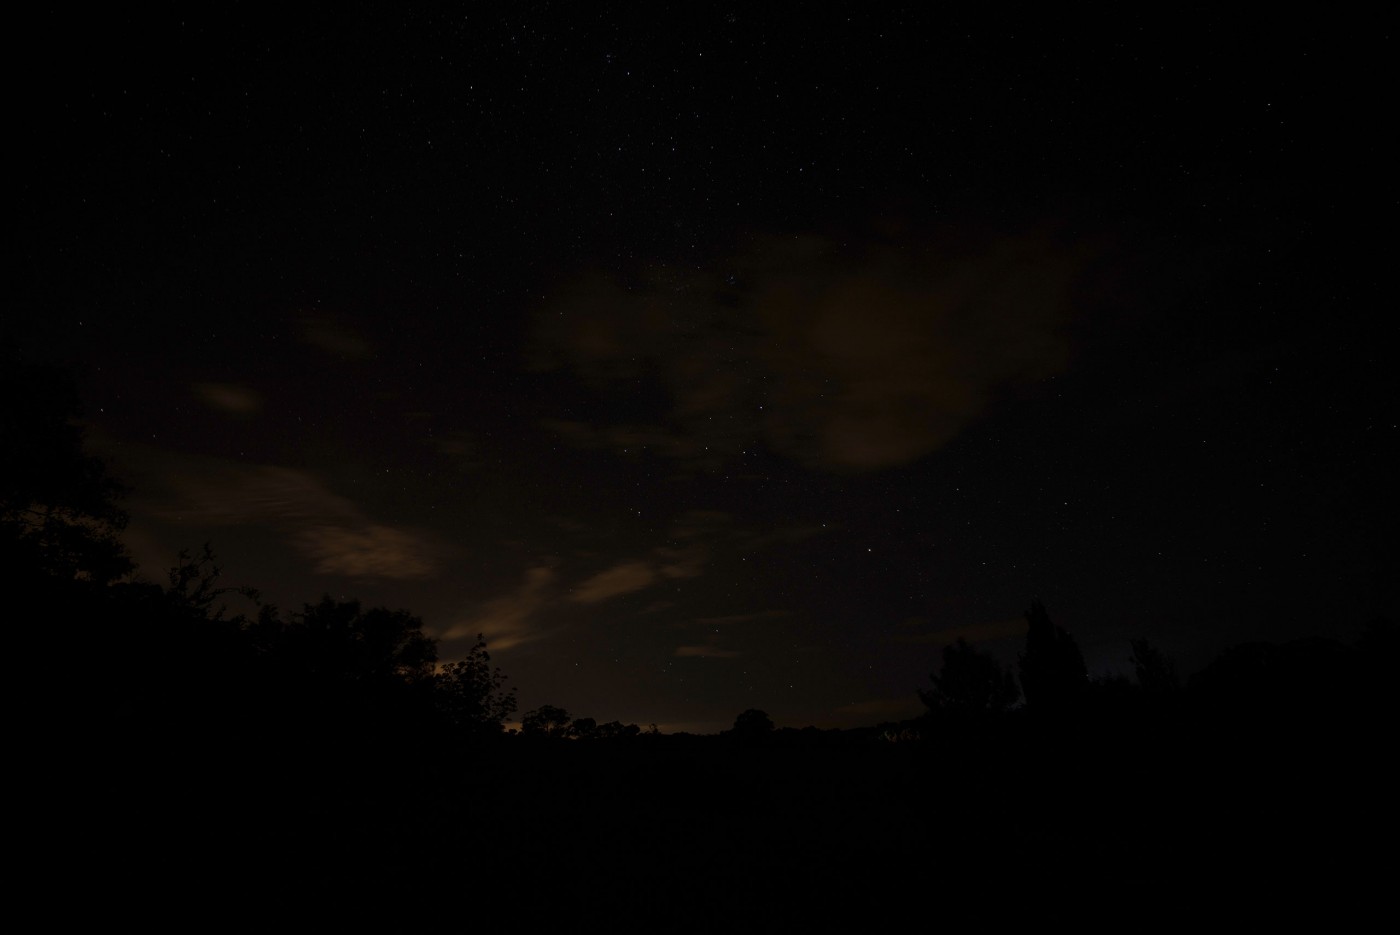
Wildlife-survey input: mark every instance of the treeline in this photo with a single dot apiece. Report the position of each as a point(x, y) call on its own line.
point(328, 752)
point(117, 670)
point(1300, 685)
point(142, 657)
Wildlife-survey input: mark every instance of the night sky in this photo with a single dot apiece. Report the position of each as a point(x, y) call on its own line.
point(710, 358)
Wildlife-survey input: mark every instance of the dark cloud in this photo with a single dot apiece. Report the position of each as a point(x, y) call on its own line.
point(230, 398)
point(860, 713)
point(626, 438)
point(712, 645)
point(687, 562)
point(732, 619)
point(916, 630)
point(335, 339)
point(706, 651)
point(844, 360)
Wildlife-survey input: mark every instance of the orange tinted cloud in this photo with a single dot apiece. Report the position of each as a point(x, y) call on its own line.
point(229, 397)
point(620, 579)
point(509, 619)
point(366, 550)
point(325, 527)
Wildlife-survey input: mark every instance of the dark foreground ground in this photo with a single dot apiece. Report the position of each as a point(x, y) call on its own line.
point(707, 834)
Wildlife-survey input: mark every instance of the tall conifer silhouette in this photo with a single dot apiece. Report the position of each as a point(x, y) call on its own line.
point(1053, 674)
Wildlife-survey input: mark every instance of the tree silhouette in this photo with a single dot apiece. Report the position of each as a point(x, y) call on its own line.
point(1053, 675)
point(546, 721)
point(616, 730)
point(59, 515)
point(357, 678)
point(1156, 673)
point(970, 684)
point(338, 641)
point(194, 586)
point(753, 723)
point(471, 694)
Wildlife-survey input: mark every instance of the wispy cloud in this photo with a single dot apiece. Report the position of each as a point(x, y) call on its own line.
point(510, 619)
point(620, 579)
point(330, 530)
point(692, 540)
point(366, 550)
